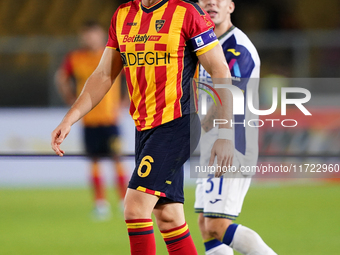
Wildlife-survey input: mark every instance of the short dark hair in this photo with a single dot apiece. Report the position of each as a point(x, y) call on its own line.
point(89, 24)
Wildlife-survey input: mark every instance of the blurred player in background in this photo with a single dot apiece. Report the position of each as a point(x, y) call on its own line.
point(159, 44)
point(101, 132)
point(219, 200)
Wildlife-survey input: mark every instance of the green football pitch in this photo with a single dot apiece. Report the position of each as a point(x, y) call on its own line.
point(292, 219)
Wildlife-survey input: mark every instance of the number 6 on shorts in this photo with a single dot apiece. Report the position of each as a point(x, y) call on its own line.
point(145, 162)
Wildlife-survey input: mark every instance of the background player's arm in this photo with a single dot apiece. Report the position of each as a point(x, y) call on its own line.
point(97, 85)
point(215, 64)
point(65, 86)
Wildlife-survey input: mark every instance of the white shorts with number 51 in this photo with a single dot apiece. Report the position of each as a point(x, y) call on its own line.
point(220, 197)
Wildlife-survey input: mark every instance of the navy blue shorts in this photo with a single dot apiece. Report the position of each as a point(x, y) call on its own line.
point(102, 141)
point(160, 155)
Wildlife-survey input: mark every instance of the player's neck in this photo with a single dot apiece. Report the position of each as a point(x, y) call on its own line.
point(222, 28)
point(149, 3)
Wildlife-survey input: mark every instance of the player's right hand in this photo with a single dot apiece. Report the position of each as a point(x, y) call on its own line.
point(223, 150)
point(57, 137)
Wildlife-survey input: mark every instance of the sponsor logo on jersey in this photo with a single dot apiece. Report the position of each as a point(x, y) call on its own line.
point(214, 202)
point(159, 24)
point(145, 58)
point(199, 41)
point(141, 38)
point(233, 51)
point(131, 24)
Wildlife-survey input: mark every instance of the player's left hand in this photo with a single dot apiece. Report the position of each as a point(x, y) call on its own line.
point(223, 149)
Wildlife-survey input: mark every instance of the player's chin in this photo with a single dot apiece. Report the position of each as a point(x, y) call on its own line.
point(216, 21)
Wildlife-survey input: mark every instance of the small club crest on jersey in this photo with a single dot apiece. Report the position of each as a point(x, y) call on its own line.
point(159, 24)
point(208, 22)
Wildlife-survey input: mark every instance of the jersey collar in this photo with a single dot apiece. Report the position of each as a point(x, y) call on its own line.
point(154, 7)
point(227, 32)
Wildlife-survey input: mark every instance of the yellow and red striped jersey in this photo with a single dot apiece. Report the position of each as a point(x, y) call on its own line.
point(80, 64)
point(159, 46)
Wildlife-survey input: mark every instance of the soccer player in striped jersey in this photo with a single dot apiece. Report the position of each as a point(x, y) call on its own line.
point(101, 133)
point(158, 43)
point(219, 200)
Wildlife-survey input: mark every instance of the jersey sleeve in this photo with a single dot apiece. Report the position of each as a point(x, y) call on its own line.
point(200, 31)
point(67, 65)
point(112, 39)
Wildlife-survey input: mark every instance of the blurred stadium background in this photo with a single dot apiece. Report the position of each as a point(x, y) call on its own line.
point(44, 200)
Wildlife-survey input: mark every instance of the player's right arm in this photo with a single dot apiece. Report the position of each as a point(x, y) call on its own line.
point(97, 85)
point(215, 64)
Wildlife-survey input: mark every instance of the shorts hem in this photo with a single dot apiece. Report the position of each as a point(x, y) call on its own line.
point(220, 215)
point(150, 191)
point(199, 210)
point(167, 200)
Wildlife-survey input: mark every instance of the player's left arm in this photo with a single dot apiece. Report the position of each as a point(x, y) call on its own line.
point(215, 64)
